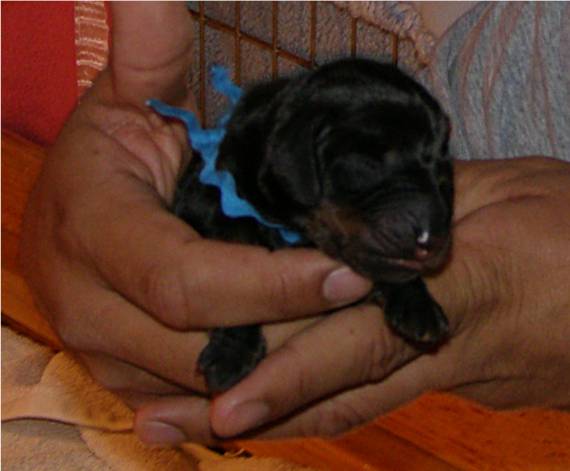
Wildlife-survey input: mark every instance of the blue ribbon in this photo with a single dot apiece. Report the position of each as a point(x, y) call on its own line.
point(207, 142)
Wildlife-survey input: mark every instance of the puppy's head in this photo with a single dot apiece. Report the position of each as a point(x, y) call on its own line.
point(361, 157)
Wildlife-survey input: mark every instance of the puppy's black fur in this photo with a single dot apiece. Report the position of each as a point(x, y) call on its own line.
point(353, 156)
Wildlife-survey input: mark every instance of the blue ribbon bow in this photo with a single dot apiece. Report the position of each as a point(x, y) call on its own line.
point(207, 142)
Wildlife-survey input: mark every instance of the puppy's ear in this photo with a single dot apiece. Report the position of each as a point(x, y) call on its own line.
point(291, 168)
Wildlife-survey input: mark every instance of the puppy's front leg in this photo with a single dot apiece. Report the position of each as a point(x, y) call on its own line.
point(412, 313)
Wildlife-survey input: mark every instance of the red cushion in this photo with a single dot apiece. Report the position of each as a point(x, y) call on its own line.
point(39, 86)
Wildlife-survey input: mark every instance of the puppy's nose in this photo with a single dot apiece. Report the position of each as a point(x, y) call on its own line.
point(428, 245)
point(423, 238)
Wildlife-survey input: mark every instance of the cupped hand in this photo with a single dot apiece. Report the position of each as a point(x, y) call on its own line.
point(506, 291)
point(126, 285)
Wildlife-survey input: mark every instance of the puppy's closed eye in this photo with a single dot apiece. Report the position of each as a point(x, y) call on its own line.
point(350, 173)
point(353, 156)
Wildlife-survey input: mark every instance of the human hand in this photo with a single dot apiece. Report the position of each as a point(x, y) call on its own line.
point(505, 292)
point(126, 285)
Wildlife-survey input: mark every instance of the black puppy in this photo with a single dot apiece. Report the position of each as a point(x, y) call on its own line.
point(353, 156)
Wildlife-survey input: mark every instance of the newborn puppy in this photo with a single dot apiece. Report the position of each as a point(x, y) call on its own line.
point(354, 157)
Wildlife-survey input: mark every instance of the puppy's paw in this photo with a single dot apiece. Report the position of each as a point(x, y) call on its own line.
point(231, 354)
point(412, 313)
point(424, 326)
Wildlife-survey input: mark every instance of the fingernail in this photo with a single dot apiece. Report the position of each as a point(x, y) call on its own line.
point(159, 433)
point(246, 416)
point(343, 286)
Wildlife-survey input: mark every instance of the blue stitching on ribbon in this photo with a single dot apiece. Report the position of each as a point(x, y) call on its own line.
point(207, 142)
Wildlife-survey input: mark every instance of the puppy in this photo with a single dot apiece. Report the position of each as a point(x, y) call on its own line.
point(354, 157)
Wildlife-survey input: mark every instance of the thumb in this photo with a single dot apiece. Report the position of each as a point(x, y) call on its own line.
point(151, 50)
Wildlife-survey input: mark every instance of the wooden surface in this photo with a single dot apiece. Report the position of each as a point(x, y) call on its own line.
point(436, 432)
point(21, 163)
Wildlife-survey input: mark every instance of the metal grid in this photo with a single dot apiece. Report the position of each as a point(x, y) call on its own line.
point(245, 28)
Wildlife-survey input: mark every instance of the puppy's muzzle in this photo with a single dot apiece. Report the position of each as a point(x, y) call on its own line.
point(389, 246)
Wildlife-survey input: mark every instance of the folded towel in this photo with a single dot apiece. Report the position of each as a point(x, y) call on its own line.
point(55, 417)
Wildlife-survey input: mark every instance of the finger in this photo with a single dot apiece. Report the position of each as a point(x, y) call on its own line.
point(126, 379)
point(334, 414)
point(129, 351)
point(158, 423)
point(331, 416)
point(115, 334)
point(147, 354)
point(133, 385)
point(304, 370)
point(188, 282)
point(327, 416)
point(172, 274)
point(151, 50)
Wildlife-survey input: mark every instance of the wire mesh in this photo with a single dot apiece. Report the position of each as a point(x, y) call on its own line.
point(262, 40)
